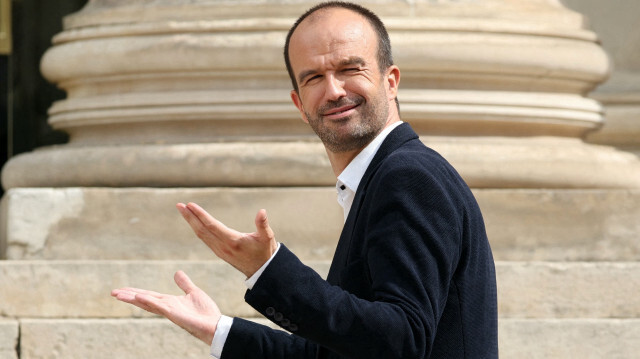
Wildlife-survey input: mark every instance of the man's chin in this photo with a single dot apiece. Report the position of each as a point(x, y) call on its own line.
point(346, 143)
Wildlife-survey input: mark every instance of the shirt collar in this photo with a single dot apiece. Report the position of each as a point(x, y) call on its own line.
point(352, 175)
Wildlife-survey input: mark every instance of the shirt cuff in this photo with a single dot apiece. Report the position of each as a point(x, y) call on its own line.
point(220, 336)
point(254, 278)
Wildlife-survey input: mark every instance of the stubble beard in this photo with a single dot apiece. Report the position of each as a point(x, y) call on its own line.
point(373, 116)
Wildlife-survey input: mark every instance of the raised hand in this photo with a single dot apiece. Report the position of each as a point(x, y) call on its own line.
point(247, 252)
point(194, 312)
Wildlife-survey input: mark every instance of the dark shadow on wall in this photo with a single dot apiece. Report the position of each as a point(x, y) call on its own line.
point(25, 94)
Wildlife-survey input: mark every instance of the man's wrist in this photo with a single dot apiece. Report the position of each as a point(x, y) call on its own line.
point(220, 336)
point(251, 281)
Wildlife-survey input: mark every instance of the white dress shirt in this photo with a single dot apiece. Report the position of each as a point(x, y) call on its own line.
point(346, 187)
point(350, 177)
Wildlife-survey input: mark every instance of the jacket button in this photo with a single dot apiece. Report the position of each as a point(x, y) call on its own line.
point(270, 311)
point(285, 322)
point(278, 316)
point(293, 328)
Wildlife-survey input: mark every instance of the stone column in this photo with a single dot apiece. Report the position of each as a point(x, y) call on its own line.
point(175, 94)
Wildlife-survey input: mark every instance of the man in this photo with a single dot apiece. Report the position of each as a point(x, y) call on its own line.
point(412, 276)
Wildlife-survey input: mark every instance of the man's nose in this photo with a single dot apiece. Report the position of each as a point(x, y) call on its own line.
point(334, 88)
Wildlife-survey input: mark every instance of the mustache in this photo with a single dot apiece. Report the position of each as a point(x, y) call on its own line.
point(344, 101)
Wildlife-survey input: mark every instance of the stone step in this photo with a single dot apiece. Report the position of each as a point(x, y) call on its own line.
point(158, 338)
point(562, 225)
point(8, 339)
point(142, 223)
point(81, 289)
point(569, 338)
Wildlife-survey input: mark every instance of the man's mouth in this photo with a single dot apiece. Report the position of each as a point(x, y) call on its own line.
point(339, 113)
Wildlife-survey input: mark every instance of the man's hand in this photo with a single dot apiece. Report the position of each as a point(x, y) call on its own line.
point(247, 252)
point(194, 312)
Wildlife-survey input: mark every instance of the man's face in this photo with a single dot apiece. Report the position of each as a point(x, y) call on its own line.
point(341, 92)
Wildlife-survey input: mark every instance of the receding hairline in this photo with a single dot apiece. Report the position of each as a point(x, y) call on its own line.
point(322, 13)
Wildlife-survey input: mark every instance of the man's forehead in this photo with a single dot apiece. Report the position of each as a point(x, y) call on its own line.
point(330, 27)
point(328, 13)
point(329, 20)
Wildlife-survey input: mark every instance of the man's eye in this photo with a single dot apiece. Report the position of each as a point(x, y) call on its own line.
point(313, 78)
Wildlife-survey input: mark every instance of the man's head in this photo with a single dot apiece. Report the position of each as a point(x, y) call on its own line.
point(339, 59)
point(385, 58)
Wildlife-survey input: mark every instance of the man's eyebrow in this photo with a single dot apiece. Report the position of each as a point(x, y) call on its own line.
point(353, 60)
point(304, 74)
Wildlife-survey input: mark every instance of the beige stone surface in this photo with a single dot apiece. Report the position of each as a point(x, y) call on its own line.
point(616, 23)
point(8, 339)
point(109, 338)
point(537, 162)
point(236, 164)
point(80, 289)
point(158, 338)
point(622, 127)
point(142, 223)
point(562, 225)
point(70, 289)
point(610, 20)
point(483, 161)
point(569, 338)
point(568, 289)
point(104, 338)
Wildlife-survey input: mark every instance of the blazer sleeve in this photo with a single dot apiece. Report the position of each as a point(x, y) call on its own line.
point(406, 250)
point(247, 339)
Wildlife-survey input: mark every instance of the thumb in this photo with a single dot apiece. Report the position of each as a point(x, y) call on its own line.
point(184, 282)
point(262, 225)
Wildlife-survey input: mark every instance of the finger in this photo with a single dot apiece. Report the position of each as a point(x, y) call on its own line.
point(123, 293)
point(184, 282)
point(181, 207)
point(202, 223)
point(139, 291)
point(149, 303)
point(139, 300)
point(189, 216)
point(200, 229)
point(262, 225)
point(218, 228)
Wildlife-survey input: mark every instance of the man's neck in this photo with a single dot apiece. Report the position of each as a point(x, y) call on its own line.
point(339, 161)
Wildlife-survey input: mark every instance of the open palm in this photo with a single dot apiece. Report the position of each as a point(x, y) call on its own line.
point(194, 312)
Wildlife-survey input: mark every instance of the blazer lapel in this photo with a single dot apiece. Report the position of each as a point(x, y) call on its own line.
point(394, 140)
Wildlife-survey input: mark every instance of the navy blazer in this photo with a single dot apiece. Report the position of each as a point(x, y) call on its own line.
point(412, 276)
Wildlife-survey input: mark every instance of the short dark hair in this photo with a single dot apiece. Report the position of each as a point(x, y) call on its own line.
point(385, 59)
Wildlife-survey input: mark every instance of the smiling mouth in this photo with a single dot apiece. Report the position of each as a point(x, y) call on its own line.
point(339, 113)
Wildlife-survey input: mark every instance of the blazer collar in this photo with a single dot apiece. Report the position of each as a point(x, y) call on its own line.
point(394, 140)
point(400, 135)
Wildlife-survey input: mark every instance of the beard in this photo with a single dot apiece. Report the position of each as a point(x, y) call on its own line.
point(355, 131)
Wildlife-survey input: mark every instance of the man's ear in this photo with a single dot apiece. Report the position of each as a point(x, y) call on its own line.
point(393, 81)
point(298, 102)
